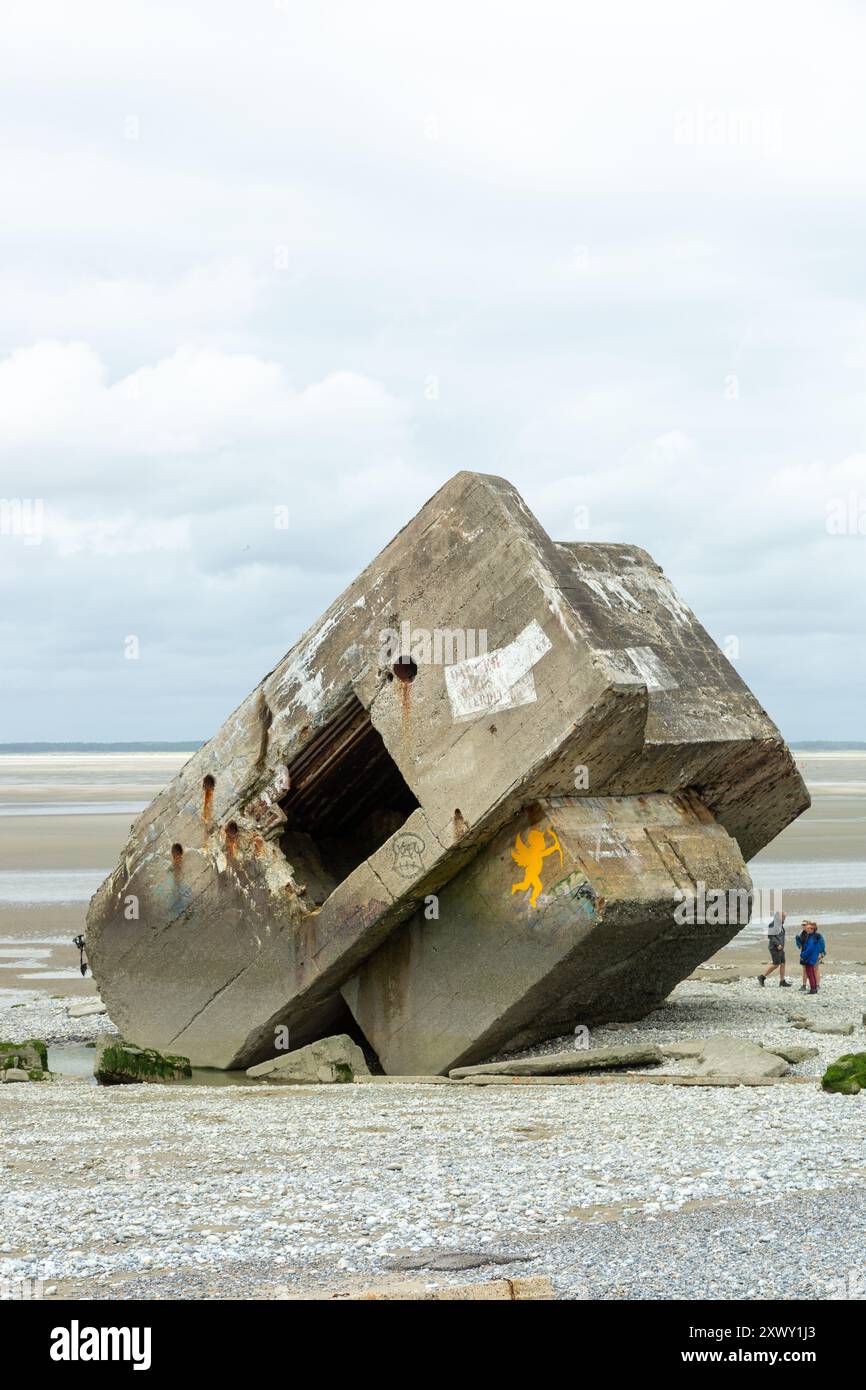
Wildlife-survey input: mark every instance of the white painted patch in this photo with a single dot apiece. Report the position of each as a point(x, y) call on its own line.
point(314, 642)
point(597, 588)
point(618, 589)
point(652, 668)
point(310, 689)
point(610, 844)
point(499, 680)
point(309, 692)
point(664, 593)
point(610, 587)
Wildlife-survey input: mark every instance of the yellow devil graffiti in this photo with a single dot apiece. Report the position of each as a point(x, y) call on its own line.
point(530, 857)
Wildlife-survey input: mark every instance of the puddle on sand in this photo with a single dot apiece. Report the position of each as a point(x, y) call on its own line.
point(75, 1059)
point(71, 1059)
point(45, 887)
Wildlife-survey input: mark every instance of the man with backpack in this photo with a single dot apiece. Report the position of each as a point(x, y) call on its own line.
point(776, 939)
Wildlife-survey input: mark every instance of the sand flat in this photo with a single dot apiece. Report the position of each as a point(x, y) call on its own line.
point(62, 842)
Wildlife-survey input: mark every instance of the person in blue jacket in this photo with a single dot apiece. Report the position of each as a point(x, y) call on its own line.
point(822, 951)
point(810, 942)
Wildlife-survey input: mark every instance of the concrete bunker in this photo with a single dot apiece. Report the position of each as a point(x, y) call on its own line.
point(557, 791)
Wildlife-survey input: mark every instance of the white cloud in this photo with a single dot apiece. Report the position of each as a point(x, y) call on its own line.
point(236, 251)
point(182, 428)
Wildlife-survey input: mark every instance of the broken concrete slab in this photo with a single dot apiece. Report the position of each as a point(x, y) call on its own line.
point(573, 1079)
point(583, 1078)
point(375, 1080)
point(458, 1259)
point(479, 698)
point(691, 1048)
point(792, 1053)
point(562, 1063)
point(85, 1008)
point(734, 1079)
point(336, 1059)
point(724, 1055)
point(633, 1078)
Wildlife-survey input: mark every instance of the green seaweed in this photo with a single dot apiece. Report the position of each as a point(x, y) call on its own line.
point(847, 1075)
point(122, 1063)
point(41, 1048)
point(9, 1051)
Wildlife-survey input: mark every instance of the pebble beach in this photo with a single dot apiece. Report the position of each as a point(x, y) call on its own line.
point(614, 1191)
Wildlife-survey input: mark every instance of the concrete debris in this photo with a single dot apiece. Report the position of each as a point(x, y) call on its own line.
point(730, 1056)
point(696, 1048)
point(330, 1059)
point(86, 1008)
point(458, 1259)
point(792, 1054)
point(562, 1063)
point(433, 1079)
point(502, 787)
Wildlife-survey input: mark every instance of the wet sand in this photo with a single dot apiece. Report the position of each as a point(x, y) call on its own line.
point(64, 818)
point(62, 842)
point(818, 864)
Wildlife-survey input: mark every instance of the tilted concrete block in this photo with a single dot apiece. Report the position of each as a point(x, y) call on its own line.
point(577, 928)
point(476, 683)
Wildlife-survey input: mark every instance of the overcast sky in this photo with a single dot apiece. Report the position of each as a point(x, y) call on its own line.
point(324, 255)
